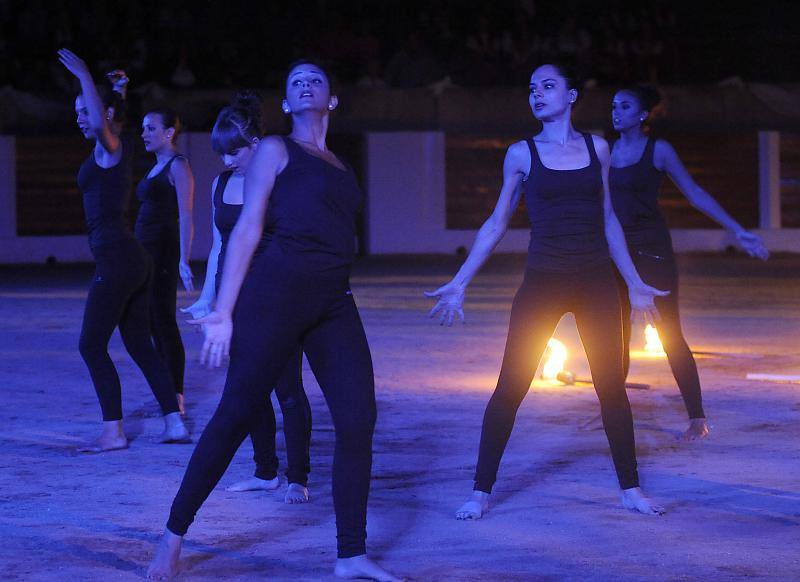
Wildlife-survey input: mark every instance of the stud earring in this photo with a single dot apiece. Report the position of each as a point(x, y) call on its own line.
point(330, 106)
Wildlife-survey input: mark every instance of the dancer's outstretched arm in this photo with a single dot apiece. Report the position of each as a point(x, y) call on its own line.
point(641, 294)
point(451, 295)
point(667, 158)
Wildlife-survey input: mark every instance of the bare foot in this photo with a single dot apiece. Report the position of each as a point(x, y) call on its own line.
point(362, 567)
point(181, 404)
point(164, 565)
point(475, 507)
point(698, 429)
point(112, 438)
point(635, 500)
point(174, 430)
point(296, 493)
point(255, 484)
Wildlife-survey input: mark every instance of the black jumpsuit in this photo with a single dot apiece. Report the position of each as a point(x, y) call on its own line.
point(569, 269)
point(297, 292)
point(157, 230)
point(289, 390)
point(119, 294)
point(634, 193)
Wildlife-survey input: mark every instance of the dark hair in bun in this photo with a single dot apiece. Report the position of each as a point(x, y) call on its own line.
point(238, 124)
point(648, 96)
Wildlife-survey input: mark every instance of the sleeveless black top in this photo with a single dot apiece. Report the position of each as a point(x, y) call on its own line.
point(312, 212)
point(225, 217)
point(158, 213)
point(565, 208)
point(634, 195)
point(105, 199)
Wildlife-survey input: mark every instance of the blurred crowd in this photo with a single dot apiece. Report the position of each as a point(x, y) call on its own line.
point(370, 43)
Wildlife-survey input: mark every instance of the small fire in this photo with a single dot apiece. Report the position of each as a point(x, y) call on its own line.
point(556, 355)
point(652, 343)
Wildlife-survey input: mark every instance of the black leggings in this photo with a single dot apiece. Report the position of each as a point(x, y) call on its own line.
point(541, 301)
point(659, 270)
point(296, 413)
point(277, 310)
point(165, 254)
point(119, 296)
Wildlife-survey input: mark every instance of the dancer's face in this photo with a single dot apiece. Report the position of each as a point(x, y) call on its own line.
point(239, 159)
point(308, 89)
point(549, 95)
point(626, 111)
point(82, 118)
point(154, 134)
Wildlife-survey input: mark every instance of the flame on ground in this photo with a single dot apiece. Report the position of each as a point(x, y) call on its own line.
point(556, 355)
point(652, 343)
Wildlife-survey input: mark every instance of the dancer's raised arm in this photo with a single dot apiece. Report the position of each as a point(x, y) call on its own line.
point(98, 116)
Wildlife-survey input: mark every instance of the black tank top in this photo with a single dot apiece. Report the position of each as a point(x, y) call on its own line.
point(105, 199)
point(158, 213)
point(565, 208)
point(634, 195)
point(225, 217)
point(312, 211)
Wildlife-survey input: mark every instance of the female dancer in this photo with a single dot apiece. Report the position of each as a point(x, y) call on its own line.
point(296, 289)
point(164, 227)
point(638, 165)
point(573, 228)
point(119, 293)
point(235, 136)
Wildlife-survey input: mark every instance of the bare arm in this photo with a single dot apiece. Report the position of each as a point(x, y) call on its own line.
point(94, 105)
point(202, 306)
point(182, 178)
point(268, 161)
point(451, 295)
point(667, 159)
point(641, 295)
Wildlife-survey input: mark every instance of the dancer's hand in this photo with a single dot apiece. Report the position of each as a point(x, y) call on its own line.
point(185, 272)
point(450, 304)
point(642, 298)
point(752, 244)
point(74, 64)
point(218, 328)
point(198, 309)
point(119, 81)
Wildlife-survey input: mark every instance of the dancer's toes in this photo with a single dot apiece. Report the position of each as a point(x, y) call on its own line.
point(255, 484)
point(296, 493)
point(112, 438)
point(475, 507)
point(175, 431)
point(635, 500)
point(698, 429)
point(362, 567)
point(104, 446)
point(164, 565)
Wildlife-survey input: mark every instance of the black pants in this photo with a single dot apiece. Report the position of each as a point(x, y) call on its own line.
point(120, 296)
point(296, 413)
point(659, 270)
point(165, 253)
point(541, 301)
point(278, 309)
